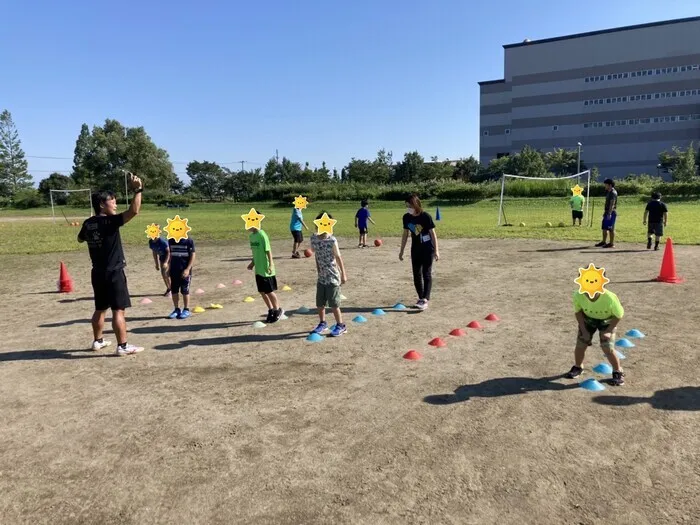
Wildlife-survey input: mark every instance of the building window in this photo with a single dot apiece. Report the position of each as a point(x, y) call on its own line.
point(555, 128)
point(486, 133)
point(507, 131)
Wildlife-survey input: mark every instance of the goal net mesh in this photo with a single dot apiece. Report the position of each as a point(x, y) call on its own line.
point(70, 206)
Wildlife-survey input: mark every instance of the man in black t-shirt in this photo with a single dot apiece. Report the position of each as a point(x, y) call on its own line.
point(101, 232)
point(657, 213)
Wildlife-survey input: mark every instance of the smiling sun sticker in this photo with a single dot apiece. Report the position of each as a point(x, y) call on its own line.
point(177, 228)
point(153, 231)
point(325, 224)
point(300, 202)
point(591, 280)
point(577, 190)
point(252, 219)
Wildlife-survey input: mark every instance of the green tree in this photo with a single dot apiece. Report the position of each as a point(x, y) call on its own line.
point(272, 173)
point(563, 162)
point(686, 169)
point(55, 181)
point(410, 169)
point(528, 163)
point(322, 174)
point(13, 166)
point(438, 170)
point(306, 175)
point(290, 171)
point(358, 171)
point(383, 167)
point(177, 187)
point(467, 170)
point(207, 179)
point(27, 198)
point(496, 168)
point(101, 157)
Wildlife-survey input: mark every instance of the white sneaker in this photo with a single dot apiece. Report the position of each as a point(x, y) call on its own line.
point(96, 346)
point(128, 350)
point(422, 304)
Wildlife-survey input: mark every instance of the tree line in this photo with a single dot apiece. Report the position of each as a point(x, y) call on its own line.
point(103, 153)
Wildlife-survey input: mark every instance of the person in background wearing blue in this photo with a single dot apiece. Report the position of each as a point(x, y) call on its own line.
point(295, 227)
point(361, 218)
point(182, 255)
point(161, 253)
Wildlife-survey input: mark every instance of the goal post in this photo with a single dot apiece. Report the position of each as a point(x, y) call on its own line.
point(68, 193)
point(583, 177)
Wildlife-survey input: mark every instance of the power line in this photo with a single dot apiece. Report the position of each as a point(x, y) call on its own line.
point(172, 161)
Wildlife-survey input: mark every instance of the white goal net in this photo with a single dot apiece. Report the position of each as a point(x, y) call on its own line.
point(71, 205)
point(541, 201)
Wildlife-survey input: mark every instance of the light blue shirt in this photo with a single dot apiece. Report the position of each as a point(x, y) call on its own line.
point(297, 217)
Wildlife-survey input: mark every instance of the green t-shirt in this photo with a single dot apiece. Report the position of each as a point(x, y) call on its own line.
point(605, 307)
point(260, 245)
point(577, 202)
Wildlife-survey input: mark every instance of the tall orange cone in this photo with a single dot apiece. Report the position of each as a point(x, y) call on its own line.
point(65, 283)
point(668, 266)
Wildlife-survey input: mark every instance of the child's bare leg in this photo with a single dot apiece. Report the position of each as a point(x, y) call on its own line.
point(579, 355)
point(612, 359)
point(176, 299)
point(338, 315)
point(186, 301)
point(267, 300)
point(98, 323)
point(166, 280)
point(322, 314)
point(274, 302)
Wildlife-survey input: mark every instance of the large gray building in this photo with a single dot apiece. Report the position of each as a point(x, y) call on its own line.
point(625, 94)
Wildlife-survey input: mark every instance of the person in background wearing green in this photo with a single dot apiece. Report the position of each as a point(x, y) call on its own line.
point(577, 201)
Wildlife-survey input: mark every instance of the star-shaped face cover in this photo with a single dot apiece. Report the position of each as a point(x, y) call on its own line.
point(325, 224)
point(252, 219)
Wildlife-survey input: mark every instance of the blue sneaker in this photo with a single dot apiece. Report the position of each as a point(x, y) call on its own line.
point(338, 330)
point(322, 327)
point(175, 314)
point(185, 314)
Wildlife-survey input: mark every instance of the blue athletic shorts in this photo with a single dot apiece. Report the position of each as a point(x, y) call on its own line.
point(609, 224)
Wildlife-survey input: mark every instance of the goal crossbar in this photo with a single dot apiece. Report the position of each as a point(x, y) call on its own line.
point(576, 176)
point(52, 191)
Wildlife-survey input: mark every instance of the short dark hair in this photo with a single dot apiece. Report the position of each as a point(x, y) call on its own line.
point(99, 198)
point(363, 202)
point(655, 195)
point(321, 215)
point(609, 181)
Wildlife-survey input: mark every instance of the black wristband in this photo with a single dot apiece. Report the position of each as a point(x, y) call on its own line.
point(138, 191)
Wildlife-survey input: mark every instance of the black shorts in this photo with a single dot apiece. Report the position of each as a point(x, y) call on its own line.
point(266, 284)
point(110, 290)
point(577, 214)
point(298, 236)
point(655, 228)
point(363, 231)
point(178, 284)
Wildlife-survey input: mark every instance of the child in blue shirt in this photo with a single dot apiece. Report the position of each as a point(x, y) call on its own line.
point(161, 252)
point(182, 256)
point(295, 225)
point(361, 218)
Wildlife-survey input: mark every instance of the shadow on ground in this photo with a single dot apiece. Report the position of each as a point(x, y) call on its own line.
point(43, 355)
point(681, 398)
point(232, 340)
point(499, 387)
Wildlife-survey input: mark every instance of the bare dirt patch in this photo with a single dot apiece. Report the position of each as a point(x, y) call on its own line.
point(217, 422)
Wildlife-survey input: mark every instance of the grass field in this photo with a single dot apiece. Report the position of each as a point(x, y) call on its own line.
point(32, 231)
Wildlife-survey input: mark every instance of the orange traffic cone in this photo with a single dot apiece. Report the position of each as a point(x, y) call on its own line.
point(65, 283)
point(668, 265)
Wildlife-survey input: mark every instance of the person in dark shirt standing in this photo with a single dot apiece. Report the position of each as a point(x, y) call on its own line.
point(101, 232)
point(424, 247)
point(657, 213)
point(361, 218)
point(181, 260)
point(609, 215)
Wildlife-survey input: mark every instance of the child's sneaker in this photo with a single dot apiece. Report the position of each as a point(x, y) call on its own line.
point(656, 247)
point(422, 304)
point(296, 255)
point(338, 330)
point(649, 243)
point(600, 245)
point(609, 245)
point(185, 314)
point(322, 327)
point(99, 345)
point(270, 314)
point(128, 349)
point(175, 314)
point(618, 378)
point(275, 315)
point(574, 372)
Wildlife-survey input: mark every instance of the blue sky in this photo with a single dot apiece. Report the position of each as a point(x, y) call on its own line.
point(317, 80)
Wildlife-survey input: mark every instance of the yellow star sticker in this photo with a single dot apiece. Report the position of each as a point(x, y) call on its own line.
point(153, 231)
point(591, 280)
point(252, 219)
point(325, 224)
point(577, 190)
point(300, 202)
point(177, 228)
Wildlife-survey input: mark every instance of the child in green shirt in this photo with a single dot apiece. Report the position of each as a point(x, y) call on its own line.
point(602, 313)
point(576, 203)
point(265, 276)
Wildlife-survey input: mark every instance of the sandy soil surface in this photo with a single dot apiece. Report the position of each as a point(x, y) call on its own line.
point(218, 422)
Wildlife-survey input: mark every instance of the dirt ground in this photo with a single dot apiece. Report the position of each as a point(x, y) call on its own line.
point(218, 422)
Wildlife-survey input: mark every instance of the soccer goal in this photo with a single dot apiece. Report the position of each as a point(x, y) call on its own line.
point(77, 204)
point(524, 208)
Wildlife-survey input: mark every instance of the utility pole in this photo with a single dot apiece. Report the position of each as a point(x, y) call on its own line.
point(277, 156)
point(242, 165)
